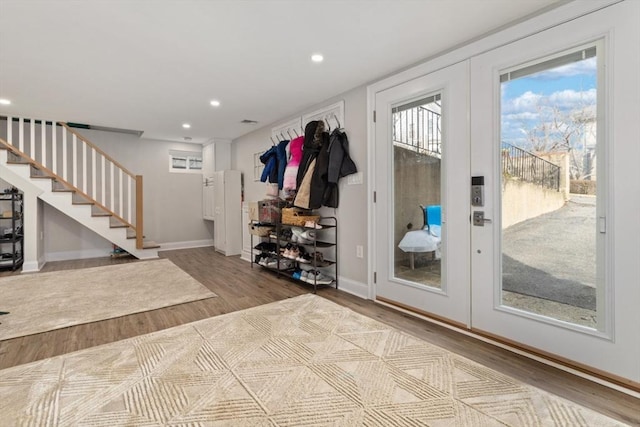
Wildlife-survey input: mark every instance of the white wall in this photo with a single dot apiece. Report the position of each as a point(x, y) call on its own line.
point(172, 201)
point(351, 213)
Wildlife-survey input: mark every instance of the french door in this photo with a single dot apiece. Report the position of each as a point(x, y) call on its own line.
point(422, 209)
point(549, 135)
point(538, 253)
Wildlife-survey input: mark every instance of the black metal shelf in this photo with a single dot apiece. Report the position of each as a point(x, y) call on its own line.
point(329, 224)
point(13, 238)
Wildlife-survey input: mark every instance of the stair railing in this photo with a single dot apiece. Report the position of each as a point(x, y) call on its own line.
point(528, 167)
point(58, 151)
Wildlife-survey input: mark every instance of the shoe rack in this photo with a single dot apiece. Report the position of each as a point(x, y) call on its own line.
point(307, 254)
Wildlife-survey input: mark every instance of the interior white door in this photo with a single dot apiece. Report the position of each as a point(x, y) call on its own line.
point(422, 161)
point(603, 226)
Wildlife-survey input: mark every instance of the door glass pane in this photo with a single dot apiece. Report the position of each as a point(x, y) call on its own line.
point(417, 160)
point(549, 179)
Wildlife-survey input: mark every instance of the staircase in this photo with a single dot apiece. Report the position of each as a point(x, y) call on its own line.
point(74, 176)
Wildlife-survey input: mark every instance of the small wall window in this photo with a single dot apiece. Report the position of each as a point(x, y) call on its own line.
point(185, 161)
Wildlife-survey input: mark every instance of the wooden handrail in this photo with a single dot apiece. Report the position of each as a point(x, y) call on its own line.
point(90, 144)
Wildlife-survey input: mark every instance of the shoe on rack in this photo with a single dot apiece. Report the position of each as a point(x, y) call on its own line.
point(308, 235)
point(295, 252)
point(287, 251)
point(296, 274)
point(304, 258)
point(317, 259)
point(312, 224)
point(272, 262)
point(311, 276)
point(322, 279)
point(285, 264)
point(303, 275)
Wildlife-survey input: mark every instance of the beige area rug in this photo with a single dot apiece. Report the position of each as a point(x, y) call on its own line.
point(42, 302)
point(304, 361)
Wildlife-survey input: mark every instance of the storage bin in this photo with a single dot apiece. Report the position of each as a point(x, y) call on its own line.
point(260, 229)
point(297, 216)
point(270, 210)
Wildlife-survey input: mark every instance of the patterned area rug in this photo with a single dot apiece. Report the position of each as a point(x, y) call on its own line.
point(42, 302)
point(304, 361)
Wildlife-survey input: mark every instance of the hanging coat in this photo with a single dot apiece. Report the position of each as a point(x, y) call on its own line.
point(310, 150)
point(270, 171)
point(275, 162)
point(340, 165)
point(319, 178)
point(281, 162)
point(291, 171)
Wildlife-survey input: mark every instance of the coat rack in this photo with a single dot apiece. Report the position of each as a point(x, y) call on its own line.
point(287, 130)
point(332, 115)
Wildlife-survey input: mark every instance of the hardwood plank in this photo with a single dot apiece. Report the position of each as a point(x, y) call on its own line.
point(239, 286)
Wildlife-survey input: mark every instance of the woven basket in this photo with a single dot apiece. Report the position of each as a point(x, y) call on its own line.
point(260, 230)
point(296, 216)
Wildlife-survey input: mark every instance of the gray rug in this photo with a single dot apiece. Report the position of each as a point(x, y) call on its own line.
point(304, 361)
point(42, 302)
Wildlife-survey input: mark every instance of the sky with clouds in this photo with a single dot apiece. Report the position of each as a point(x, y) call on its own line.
point(530, 100)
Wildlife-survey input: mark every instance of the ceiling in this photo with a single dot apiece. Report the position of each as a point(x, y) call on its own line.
point(154, 65)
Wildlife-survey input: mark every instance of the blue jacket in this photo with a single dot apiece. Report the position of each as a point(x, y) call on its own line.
point(275, 162)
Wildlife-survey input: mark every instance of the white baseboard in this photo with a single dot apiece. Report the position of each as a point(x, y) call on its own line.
point(185, 245)
point(353, 287)
point(82, 254)
point(246, 256)
point(32, 266)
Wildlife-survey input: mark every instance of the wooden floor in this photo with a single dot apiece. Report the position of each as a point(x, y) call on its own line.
point(239, 286)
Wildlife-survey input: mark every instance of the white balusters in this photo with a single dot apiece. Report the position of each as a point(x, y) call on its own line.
point(84, 168)
point(130, 201)
point(10, 130)
point(74, 159)
point(54, 148)
point(43, 142)
point(103, 180)
point(120, 193)
point(32, 138)
point(20, 134)
point(111, 184)
point(64, 153)
point(94, 154)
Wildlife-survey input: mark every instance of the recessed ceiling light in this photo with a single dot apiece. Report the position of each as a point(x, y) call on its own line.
point(316, 57)
point(215, 103)
point(186, 125)
point(4, 101)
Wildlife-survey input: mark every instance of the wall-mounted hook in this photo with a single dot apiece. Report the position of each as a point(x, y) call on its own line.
point(328, 124)
point(282, 136)
point(272, 141)
point(289, 133)
point(337, 121)
point(296, 132)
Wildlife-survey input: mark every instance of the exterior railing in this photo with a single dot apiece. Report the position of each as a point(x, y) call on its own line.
point(61, 153)
point(418, 129)
point(528, 167)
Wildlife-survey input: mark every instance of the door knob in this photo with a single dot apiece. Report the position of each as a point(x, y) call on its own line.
point(479, 220)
